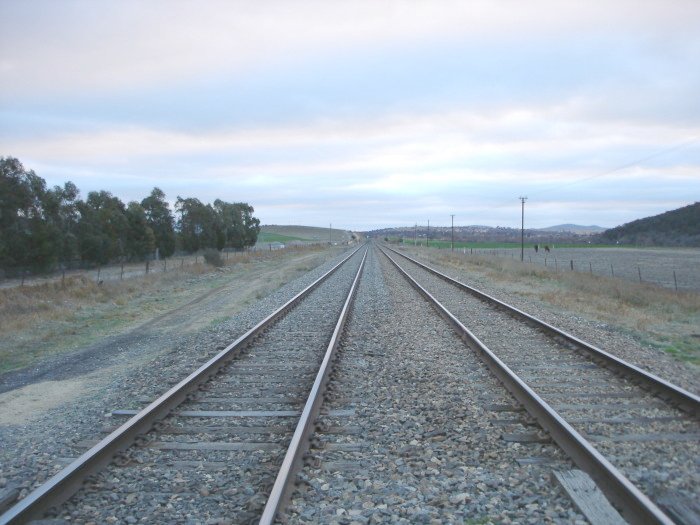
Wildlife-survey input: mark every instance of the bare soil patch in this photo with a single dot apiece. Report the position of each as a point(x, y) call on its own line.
point(21, 405)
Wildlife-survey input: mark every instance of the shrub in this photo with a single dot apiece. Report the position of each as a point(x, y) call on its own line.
point(213, 258)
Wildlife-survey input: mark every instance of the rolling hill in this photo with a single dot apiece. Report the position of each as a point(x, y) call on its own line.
point(289, 233)
point(679, 227)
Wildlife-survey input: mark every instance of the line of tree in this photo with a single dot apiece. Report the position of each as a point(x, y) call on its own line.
point(42, 228)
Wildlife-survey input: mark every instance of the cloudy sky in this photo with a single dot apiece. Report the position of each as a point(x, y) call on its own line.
point(363, 113)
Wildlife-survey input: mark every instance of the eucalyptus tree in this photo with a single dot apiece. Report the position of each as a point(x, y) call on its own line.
point(161, 221)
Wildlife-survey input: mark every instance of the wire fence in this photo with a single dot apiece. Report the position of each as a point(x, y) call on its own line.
point(111, 272)
point(125, 270)
point(675, 269)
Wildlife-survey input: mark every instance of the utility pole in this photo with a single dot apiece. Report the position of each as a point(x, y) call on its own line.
point(522, 230)
point(415, 234)
point(427, 237)
point(330, 234)
point(453, 232)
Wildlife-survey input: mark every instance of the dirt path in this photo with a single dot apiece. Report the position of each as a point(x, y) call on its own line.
point(30, 391)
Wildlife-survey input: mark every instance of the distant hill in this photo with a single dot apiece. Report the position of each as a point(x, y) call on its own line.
point(289, 233)
point(487, 234)
point(574, 228)
point(679, 227)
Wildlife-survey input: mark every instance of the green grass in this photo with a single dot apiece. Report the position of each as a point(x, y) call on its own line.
point(683, 349)
point(277, 237)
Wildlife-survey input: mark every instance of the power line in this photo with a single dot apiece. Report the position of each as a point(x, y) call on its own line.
point(625, 166)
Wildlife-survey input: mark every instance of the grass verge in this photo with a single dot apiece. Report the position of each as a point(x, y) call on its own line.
point(51, 318)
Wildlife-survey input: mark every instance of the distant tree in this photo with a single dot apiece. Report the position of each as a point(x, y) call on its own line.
point(199, 225)
point(102, 229)
point(26, 238)
point(140, 240)
point(62, 215)
point(40, 226)
point(161, 221)
point(241, 229)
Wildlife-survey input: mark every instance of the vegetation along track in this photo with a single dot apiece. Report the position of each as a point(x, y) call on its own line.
point(582, 396)
point(224, 429)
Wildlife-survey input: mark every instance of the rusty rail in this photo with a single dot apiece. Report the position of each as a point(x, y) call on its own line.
point(284, 482)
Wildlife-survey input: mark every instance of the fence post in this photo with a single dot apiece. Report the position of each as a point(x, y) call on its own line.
point(165, 265)
point(147, 263)
point(99, 269)
point(121, 275)
point(640, 274)
point(182, 262)
point(545, 262)
point(556, 265)
point(612, 270)
point(675, 282)
point(529, 258)
point(63, 276)
point(590, 267)
point(572, 265)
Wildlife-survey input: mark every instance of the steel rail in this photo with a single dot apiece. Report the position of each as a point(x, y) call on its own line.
point(687, 401)
point(284, 483)
point(68, 481)
point(636, 507)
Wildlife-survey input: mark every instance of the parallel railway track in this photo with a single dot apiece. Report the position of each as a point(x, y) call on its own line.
point(248, 421)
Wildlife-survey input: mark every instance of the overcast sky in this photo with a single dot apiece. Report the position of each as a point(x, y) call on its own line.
point(360, 113)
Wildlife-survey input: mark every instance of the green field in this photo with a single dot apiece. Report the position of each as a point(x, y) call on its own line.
point(288, 233)
point(278, 237)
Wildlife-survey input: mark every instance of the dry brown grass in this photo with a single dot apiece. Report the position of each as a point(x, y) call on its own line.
point(659, 316)
point(24, 306)
point(55, 311)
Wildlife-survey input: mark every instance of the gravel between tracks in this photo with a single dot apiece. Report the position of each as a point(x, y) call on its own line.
point(423, 445)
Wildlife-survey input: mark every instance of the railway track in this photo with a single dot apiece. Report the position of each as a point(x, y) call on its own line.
point(425, 443)
point(212, 445)
point(634, 433)
point(396, 423)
